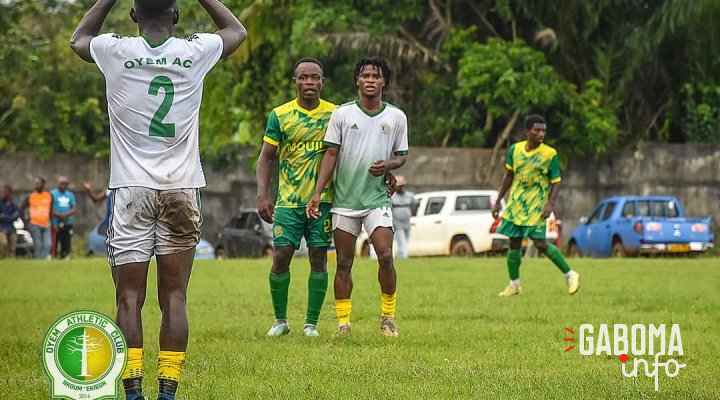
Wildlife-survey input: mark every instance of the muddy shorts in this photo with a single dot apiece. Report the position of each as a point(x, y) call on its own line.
point(147, 221)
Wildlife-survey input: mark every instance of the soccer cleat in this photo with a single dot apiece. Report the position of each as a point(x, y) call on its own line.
point(573, 282)
point(387, 326)
point(310, 330)
point(280, 328)
point(511, 290)
point(343, 329)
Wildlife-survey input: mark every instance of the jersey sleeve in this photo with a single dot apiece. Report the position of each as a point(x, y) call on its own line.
point(333, 134)
point(101, 49)
point(509, 163)
point(400, 146)
point(272, 130)
point(210, 47)
point(554, 170)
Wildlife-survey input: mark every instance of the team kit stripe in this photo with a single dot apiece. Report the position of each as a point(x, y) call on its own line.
point(110, 230)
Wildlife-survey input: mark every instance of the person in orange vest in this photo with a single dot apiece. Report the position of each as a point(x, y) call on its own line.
point(39, 206)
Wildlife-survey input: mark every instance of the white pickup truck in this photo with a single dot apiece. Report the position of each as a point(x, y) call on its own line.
point(454, 222)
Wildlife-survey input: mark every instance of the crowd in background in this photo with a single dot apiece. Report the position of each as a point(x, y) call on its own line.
point(47, 216)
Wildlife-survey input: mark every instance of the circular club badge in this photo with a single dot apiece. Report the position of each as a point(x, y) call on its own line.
point(84, 354)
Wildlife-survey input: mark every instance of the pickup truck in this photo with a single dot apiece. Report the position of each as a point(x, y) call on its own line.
point(632, 225)
point(453, 222)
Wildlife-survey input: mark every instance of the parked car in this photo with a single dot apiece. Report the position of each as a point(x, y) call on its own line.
point(24, 245)
point(631, 225)
point(96, 244)
point(245, 235)
point(454, 222)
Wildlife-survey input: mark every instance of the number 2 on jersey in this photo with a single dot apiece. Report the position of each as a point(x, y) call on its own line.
point(157, 127)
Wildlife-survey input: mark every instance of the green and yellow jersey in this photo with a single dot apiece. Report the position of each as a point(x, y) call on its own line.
point(535, 171)
point(299, 133)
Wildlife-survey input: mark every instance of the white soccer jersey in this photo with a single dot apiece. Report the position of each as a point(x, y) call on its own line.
point(154, 95)
point(363, 139)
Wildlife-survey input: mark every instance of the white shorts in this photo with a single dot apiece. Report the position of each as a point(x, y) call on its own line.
point(352, 221)
point(147, 221)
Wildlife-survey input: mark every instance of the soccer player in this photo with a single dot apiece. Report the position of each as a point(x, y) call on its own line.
point(533, 176)
point(297, 128)
point(367, 138)
point(154, 88)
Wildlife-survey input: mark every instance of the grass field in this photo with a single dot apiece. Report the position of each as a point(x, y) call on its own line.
point(458, 339)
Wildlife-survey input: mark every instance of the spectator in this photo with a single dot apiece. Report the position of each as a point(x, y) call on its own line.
point(39, 206)
point(98, 197)
point(9, 212)
point(63, 209)
point(402, 202)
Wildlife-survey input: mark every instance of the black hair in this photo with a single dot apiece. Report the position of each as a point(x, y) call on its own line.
point(308, 60)
point(152, 9)
point(375, 61)
point(41, 179)
point(533, 119)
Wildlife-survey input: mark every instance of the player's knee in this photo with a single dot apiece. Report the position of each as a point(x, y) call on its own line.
point(318, 260)
point(344, 262)
point(385, 258)
point(541, 245)
point(131, 300)
point(172, 299)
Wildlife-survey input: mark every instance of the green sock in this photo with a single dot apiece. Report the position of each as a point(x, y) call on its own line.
point(557, 258)
point(317, 287)
point(279, 284)
point(514, 258)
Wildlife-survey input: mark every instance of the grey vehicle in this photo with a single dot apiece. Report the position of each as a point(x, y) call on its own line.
point(245, 235)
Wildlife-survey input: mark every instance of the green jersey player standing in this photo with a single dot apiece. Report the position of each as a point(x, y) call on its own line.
point(297, 128)
point(532, 175)
point(154, 86)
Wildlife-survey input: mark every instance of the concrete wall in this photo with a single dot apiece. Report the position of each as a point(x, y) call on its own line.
point(690, 173)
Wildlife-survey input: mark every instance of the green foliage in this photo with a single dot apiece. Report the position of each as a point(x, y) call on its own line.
point(507, 76)
point(702, 113)
point(610, 68)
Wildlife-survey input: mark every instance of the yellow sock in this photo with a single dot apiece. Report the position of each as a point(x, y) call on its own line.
point(388, 302)
point(170, 365)
point(134, 368)
point(343, 307)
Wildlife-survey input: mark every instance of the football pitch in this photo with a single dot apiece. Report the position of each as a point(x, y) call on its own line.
point(458, 339)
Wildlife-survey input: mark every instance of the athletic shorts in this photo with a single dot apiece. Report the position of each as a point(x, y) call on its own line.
point(147, 221)
point(513, 231)
point(291, 224)
point(352, 221)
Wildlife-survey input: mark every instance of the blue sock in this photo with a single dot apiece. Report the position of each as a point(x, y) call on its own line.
point(133, 396)
point(166, 396)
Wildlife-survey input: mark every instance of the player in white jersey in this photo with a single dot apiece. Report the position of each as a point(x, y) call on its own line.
point(366, 139)
point(154, 88)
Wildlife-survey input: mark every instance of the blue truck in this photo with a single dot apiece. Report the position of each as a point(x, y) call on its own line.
point(632, 225)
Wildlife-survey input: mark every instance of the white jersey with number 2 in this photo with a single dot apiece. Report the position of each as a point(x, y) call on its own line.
point(154, 95)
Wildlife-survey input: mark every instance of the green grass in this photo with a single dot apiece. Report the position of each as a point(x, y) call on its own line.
point(458, 339)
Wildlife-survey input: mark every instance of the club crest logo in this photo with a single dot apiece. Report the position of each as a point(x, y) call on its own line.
point(278, 231)
point(84, 354)
point(385, 128)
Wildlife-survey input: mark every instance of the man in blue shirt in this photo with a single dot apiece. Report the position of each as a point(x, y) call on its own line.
point(9, 212)
point(62, 210)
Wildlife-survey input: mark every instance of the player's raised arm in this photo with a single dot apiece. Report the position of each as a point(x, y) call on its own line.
point(231, 31)
point(89, 27)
